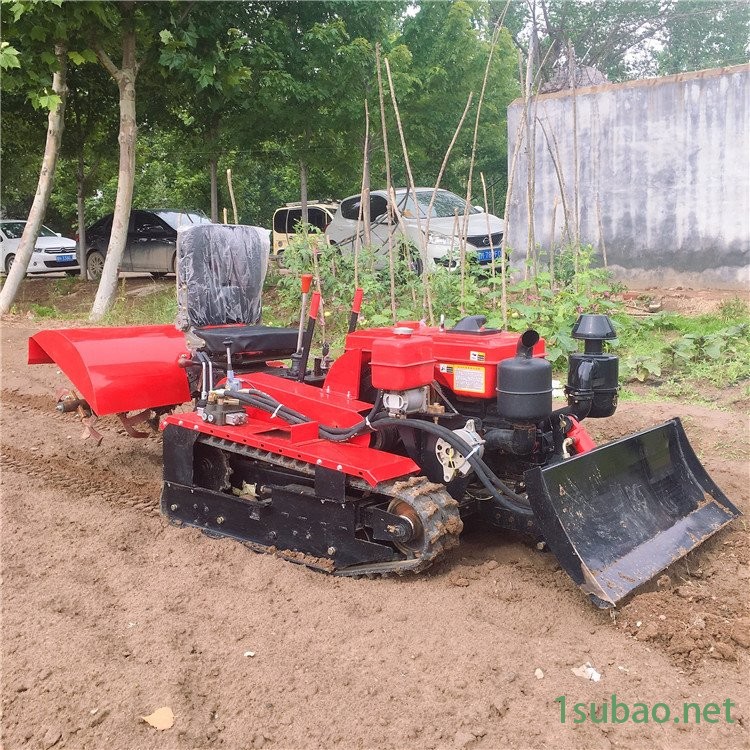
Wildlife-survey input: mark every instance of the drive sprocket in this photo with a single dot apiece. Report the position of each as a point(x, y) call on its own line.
point(433, 515)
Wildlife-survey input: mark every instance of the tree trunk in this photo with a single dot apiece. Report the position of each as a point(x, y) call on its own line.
point(303, 190)
point(80, 196)
point(125, 77)
point(55, 125)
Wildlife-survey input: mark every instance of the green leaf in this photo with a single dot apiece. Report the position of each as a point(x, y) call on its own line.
point(713, 350)
point(166, 36)
point(76, 58)
point(49, 101)
point(8, 57)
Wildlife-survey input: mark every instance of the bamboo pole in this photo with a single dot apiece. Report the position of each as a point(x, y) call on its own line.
point(455, 233)
point(462, 266)
point(555, 156)
point(509, 192)
point(552, 244)
point(318, 285)
point(445, 161)
point(576, 175)
point(465, 228)
point(364, 196)
point(601, 230)
point(504, 243)
point(489, 235)
point(427, 293)
point(388, 184)
point(231, 194)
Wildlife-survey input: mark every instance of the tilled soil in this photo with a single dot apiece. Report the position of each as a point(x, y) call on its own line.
point(108, 613)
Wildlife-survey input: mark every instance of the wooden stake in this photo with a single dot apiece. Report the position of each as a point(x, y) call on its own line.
point(489, 235)
point(465, 228)
point(552, 245)
point(445, 161)
point(427, 296)
point(462, 266)
point(389, 186)
point(576, 176)
point(231, 195)
point(601, 230)
point(363, 215)
point(555, 156)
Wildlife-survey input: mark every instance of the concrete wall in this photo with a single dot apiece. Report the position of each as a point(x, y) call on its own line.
point(664, 169)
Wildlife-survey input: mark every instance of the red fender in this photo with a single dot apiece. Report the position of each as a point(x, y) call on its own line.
point(117, 369)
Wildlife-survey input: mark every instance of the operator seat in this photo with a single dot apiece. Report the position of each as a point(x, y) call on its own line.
point(220, 274)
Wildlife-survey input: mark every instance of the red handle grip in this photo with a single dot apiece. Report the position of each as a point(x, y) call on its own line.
point(315, 305)
point(306, 280)
point(359, 293)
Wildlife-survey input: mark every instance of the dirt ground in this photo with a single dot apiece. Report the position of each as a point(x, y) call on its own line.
point(108, 613)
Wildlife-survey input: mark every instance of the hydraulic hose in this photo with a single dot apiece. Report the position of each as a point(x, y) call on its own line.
point(270, 405)
point(506, 497)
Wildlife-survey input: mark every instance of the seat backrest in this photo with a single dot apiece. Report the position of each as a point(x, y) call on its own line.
point(220, 274)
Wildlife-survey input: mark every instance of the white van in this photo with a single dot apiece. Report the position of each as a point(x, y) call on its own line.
point(285, 220)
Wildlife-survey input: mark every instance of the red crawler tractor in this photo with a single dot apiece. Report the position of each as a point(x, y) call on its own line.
point(369, 464)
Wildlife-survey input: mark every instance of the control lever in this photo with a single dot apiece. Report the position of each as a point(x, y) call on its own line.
point(232, 383)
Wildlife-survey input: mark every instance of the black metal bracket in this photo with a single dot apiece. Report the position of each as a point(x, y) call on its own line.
point(387, 526)
point(330, 484)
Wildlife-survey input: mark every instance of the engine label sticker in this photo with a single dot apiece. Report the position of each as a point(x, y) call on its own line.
point(468, 378)
point(477, 356)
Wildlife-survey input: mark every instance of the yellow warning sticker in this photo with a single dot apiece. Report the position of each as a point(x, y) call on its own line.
point(468, 378)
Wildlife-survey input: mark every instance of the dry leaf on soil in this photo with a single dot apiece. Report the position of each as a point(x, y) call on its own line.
point(162, 718)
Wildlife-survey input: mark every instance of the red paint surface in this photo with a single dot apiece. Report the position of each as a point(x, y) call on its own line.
point(263, 431)
point(117, 369)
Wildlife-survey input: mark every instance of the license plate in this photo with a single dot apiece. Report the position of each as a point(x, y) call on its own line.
point(484, 255)
point(65, 258)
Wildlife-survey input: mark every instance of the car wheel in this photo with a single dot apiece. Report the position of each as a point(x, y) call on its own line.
point(158, 274)
point(95, 265)
point(9, 262)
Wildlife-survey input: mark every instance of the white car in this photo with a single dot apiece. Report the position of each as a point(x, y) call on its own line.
point(443, 239)
point(52, 251)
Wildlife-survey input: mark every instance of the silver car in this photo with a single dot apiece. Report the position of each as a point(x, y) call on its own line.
point(52, 251)
point(443, 231)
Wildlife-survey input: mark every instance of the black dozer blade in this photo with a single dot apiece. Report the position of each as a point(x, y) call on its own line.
point(616, 516)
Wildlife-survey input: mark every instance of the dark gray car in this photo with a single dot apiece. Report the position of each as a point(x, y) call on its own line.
point(151, 245)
